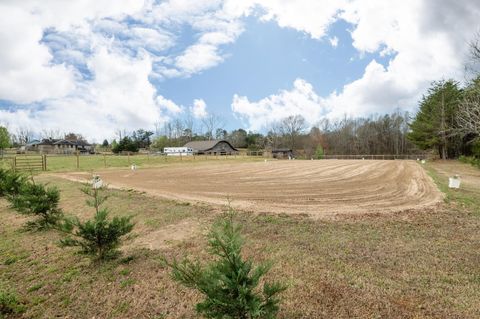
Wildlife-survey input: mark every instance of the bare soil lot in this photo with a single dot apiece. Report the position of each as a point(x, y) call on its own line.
point(317, 188)
point(419, 263)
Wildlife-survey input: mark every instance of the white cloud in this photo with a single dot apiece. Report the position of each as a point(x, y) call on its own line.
point(310, 16)
point(426, 42)
point(333, 41)
point(422, 41)
point(27, 75)
point(119, 97)
point(169, 105)
point(216, 24)
point(199, 109)
point(301, 99)
point(198, 57)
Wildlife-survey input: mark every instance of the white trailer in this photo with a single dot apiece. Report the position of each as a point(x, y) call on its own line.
point(178, 151)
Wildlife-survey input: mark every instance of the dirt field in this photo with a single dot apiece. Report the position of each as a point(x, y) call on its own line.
point(318, 188)
point(420, 263)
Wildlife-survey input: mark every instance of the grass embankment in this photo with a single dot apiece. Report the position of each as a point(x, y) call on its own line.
point(417, 264)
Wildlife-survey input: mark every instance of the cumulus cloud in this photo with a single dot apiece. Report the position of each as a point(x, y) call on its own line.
point(301, 99)
point(169, 105)
point(198, 57)
point(424, 41)
point(423, 46)
point(88, 64)
point(119, 97)
point(199, 109)
point(27, 75)
point(312, 17)
point(217, 25)
point(80, 66)
point(333, 41)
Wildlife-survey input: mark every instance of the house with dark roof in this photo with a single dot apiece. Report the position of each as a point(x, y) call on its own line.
point(58, 146)
point(213, 147)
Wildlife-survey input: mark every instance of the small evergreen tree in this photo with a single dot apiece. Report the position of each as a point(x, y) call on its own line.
point(4, 139)
point(98, 237)
point(230, 283)
point(319, 154)
point(11, 182)
point(41, 201)
point(126, 144)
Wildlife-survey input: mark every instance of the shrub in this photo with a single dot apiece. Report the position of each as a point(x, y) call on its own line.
point(319, 153)
point(98, 237)
point(40, 201)
point(230, 283)
point(476, 148)
point(10, 304)
point(470, 160)
point(11, 182)
point(126, 144)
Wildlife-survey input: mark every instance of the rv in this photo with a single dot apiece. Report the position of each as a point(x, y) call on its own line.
point(178, 151)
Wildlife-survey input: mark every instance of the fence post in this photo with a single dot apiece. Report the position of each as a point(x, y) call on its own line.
point(14, 163)
point(104, 160)
point(128, 155)
point(44, 162)
point(78, 160)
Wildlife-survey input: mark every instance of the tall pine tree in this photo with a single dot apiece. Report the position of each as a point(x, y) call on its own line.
point(434, 124)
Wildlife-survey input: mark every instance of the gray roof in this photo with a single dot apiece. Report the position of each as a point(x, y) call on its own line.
point(51, 141)
point(63, 142)
point(32, 143)
point(205, 145)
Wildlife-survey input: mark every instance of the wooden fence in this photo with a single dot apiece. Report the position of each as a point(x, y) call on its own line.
point(30, 163)
point(379, 157)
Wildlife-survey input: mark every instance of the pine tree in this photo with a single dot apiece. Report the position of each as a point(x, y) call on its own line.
point(230, 283)
point(38, 200)
point(434, 124)
point(319, 153)
point(11, 182)
point(98, 237)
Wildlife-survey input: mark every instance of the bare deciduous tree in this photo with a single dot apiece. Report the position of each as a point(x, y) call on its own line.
point(52, 133)
point(291, 128)
point(468, 116)
point(23, 135)
point(274, 135)
point(212, 122)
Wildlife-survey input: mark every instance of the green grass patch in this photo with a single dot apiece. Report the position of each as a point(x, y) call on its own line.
point(463, 197)
point(10, 304)
point(36, 287)
point(98, 162)
point(127, 283)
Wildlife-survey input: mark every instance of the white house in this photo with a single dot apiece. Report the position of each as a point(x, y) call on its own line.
point(178, 151)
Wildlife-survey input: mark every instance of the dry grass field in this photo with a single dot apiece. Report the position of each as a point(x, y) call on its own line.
point(415, 262)
point(316, 188)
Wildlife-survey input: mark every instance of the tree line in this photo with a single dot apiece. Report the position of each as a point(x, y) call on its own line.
point(447, 123)
point(448, 120)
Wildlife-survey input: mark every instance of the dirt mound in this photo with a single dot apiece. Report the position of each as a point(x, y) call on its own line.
point(317, 188)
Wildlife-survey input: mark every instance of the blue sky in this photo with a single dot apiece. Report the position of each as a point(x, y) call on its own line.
point(95, 67)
